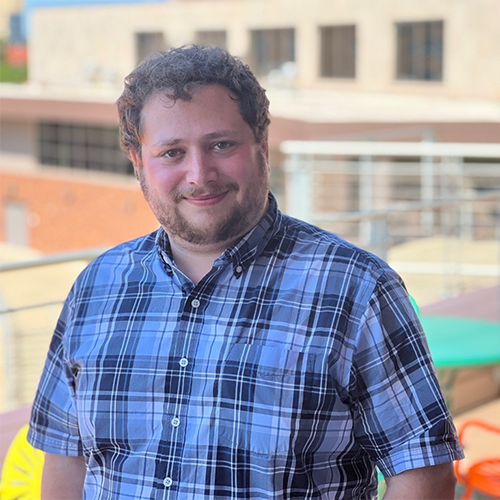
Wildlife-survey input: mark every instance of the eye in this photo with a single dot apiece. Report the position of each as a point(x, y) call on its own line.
point(221, 146)
point(172, 153)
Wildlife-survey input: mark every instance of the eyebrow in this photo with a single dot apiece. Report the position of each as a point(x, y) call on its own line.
point(210, 136)
point(162, 144)
point(220, 133)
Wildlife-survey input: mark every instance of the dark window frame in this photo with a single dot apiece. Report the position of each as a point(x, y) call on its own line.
point(338, 51)
point(84, 147)
point(212, 38)
point(271, 48)
point(420, 51)
point(147, 43)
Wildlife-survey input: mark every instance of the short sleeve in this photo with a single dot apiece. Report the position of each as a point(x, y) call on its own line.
point(401, 418)
point(54, 424)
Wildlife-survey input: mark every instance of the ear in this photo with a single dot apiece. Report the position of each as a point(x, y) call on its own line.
point(135, 157)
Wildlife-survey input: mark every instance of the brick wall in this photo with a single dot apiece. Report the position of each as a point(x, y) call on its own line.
point(67, 211)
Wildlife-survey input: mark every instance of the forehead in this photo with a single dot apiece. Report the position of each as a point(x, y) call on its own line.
point(198, 95)
point(210, 106)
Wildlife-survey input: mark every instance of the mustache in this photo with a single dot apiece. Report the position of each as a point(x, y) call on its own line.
point(211, 190)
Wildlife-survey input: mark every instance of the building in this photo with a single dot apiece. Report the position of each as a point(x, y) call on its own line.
point(334, 69)
point(13, 54)
point(446, 49)
point(10, 14)
point(344, 70)
point(62, 171)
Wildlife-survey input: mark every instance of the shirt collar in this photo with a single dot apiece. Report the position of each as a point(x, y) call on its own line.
point(253, 243)
point(244, 252)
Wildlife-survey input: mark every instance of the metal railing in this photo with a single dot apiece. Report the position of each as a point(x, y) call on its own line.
point(31, 296)
point(390, 196)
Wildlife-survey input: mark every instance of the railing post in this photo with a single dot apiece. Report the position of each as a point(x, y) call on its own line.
point(365, 198)
point(450, 186)
point(298, 194)
point(466, 211)
point(379, 244)
point(427, 193)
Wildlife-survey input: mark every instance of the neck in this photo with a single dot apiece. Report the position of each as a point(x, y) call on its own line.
point(192, 261)
point(195, 261)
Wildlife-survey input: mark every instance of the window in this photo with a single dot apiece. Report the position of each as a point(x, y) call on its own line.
point(211, 38)
point(81, 146)
point(420, 51)
point(338, 51)
point(148, 43)
point(271, 49)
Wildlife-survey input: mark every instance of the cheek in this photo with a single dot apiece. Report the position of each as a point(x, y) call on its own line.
point(247, 170)
point(162, 179)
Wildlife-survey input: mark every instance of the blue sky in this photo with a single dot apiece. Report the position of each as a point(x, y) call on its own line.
point(29, 5)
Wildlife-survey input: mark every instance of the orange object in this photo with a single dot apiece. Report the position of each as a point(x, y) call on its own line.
point(16, 54)
point(483, 476)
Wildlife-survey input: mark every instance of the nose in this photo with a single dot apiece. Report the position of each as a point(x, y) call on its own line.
point(201, 169)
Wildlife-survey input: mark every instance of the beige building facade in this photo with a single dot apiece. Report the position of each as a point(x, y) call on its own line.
point(99, 45)
point(333, 69)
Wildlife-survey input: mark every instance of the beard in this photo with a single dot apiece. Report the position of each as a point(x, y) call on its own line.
point(243, 217)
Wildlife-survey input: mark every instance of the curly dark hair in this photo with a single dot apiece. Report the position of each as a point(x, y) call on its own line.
point(176, 73)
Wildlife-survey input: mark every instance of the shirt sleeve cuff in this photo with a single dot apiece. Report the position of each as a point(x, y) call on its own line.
point(414, 455)
point(50, 444)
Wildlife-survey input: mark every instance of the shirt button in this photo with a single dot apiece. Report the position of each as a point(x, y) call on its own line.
point(183, 362)
point(176, 422)
point(167, 482)
point(238, 269)
point(195, 303)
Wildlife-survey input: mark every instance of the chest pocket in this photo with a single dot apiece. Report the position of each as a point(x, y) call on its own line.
point(263, 392)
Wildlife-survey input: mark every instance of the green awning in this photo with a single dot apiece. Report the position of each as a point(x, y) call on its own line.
point(456, 342)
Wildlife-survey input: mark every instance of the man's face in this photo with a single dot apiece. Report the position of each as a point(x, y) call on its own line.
point(201, 170)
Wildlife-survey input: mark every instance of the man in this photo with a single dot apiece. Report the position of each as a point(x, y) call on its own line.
point(235, 353)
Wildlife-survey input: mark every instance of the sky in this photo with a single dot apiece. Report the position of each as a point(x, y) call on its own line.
point(29, 5)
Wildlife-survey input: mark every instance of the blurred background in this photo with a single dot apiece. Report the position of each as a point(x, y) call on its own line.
point(385, 130)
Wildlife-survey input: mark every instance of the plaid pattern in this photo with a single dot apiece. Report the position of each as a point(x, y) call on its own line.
point(291, 370)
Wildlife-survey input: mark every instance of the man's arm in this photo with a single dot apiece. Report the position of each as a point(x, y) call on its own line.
point(63, 477)
point(426, 483)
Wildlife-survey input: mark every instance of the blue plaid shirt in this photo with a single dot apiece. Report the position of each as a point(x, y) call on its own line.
point(290, 371)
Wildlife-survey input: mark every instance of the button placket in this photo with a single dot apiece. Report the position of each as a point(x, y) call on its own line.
point(177, 412)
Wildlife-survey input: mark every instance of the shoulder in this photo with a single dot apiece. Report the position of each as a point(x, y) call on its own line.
point(118, 260)
point(135, 249)
point(304, 240)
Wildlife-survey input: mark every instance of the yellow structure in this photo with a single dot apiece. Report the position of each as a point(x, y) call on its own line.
point(22, 470)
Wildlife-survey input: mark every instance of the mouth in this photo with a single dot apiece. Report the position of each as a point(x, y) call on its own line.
point(206, 200)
